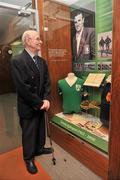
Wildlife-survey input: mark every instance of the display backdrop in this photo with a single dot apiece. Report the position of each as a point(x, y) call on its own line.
point(101, 14)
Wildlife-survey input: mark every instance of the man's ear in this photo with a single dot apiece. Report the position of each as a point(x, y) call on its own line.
point(28, 40)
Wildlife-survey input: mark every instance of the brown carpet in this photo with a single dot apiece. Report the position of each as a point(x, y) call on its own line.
point(12, 167)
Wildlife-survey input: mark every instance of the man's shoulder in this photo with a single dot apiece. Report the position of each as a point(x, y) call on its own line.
point(89, 32)
point(18, 56)
point(18, 59)
point(61, 80)
point(89, 29)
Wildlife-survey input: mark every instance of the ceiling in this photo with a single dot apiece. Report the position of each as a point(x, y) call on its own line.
point(10, 16)
point(87, 4)
point(11, 28)
point(16, 2)
point(67, 2)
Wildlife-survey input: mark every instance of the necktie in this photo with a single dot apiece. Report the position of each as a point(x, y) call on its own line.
point(36, 61)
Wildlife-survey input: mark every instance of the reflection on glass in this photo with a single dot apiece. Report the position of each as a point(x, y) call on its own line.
point(73, 32)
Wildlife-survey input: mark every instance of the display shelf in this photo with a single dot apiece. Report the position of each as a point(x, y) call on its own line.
point(84, 126)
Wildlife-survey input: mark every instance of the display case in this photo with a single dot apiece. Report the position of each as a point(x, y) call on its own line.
point(60, 23)
point(58, 40)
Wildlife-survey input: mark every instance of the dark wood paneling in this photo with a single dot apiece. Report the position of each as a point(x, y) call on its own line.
point(82, 151)
point(56, 45)
point(58, 40)
point(114, 143)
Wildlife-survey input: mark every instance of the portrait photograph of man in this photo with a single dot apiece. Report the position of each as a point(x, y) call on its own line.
point(83, 35)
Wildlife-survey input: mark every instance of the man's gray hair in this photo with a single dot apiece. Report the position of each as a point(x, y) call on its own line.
point(25, 35)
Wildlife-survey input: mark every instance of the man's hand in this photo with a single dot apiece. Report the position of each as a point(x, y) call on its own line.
point(108, 97)
point(46, 105)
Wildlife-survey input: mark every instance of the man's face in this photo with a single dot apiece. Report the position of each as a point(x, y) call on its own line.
point(79, 22)
point(34, 42)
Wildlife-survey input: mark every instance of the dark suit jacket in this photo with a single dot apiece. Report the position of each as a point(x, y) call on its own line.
point(86, 47)
point(32, 85)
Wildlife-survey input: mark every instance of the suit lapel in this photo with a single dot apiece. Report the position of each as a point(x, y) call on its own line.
point(33, 67)
point(82, 42)
point(40, 64)
point(75, 46)
point(30, 62)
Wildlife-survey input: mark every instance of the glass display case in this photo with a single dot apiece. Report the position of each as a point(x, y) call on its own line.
point(78, 39)
point(81, 34)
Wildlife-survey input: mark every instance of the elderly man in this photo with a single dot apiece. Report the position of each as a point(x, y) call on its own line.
point(31, 78)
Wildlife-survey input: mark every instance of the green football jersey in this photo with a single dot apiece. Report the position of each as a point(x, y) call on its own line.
point(72, 95)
